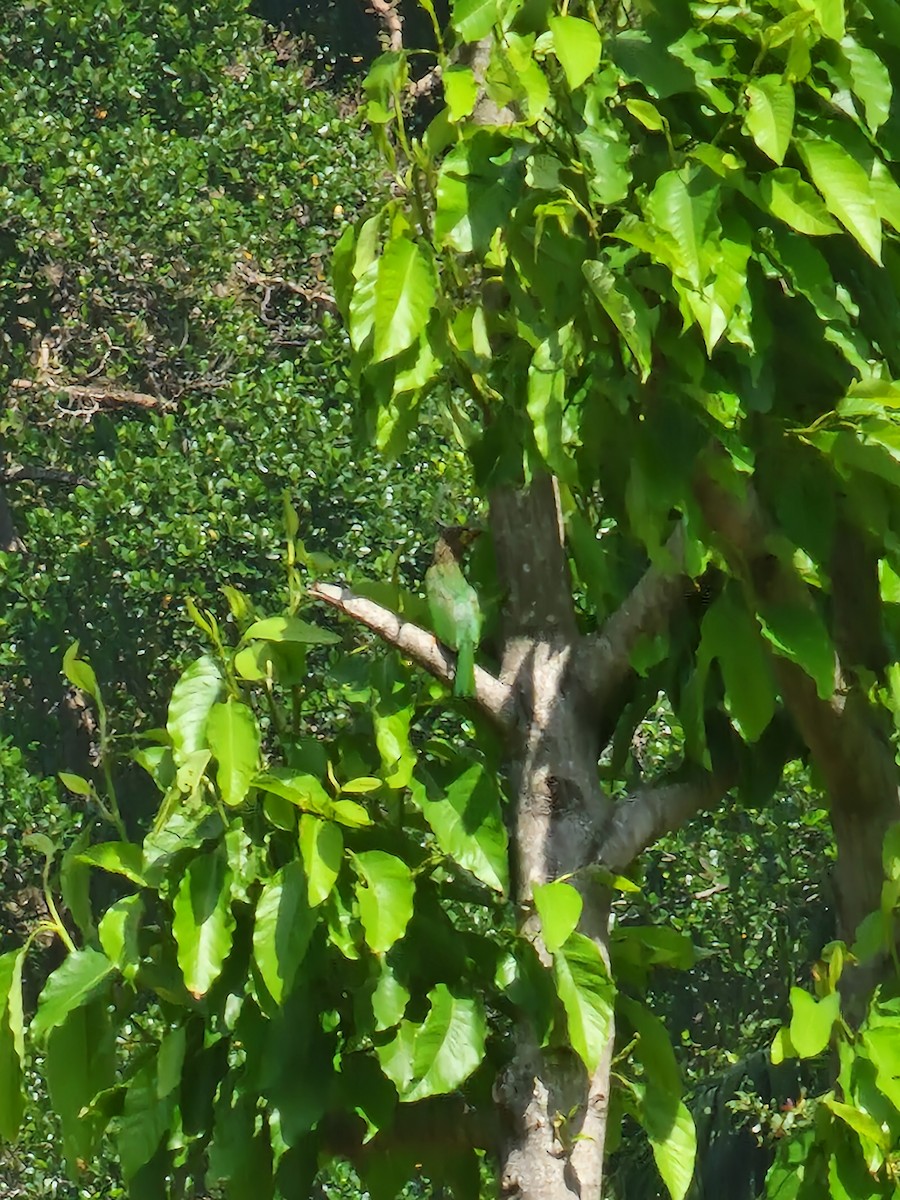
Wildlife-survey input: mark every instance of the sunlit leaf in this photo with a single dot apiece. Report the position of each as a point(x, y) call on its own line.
point(385, 893)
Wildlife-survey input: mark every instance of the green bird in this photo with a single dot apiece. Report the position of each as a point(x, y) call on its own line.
point(453, 604)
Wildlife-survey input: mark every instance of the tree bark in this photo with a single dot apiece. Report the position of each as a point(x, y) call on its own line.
point(558, 807)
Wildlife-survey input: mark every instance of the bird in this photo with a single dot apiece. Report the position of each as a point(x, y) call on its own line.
point(453, 603)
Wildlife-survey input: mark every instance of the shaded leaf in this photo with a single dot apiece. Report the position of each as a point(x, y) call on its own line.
point(283, 928)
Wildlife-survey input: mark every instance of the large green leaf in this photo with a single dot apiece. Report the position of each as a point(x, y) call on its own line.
point(812, 1021)
point(474, 19)
point(148, 1109)
point(587, 993)
point(233, 737)
point(118, 931)
point(731, 635)
point(576, 44)
point(119, 858)
point(627, 309)
point(203, 923)
point(385, 892)
point(559, 906)
point(770, 115)
point(799, 633)
point(468, 824)
point(12, 1045)
point(683, 209)
point(80, 978)
point(673, 1138)
point(434, 1058)
point(80, 1063)
point(283, 928)
point(871, 81)
point(405, 293)
point(322, 850)
point(290, 629)
point(845, 188)
point(193, 696)
point(787, 195)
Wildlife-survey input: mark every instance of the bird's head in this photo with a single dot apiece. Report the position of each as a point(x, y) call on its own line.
point(454, 541)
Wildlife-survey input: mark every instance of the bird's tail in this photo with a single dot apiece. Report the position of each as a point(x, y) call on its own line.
point(464, 680)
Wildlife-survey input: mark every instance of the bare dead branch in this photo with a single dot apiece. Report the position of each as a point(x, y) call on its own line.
point(426, 84)
point(492, 697)
point(44, 475)
point(659, 808)
point(386, 10)
point(94, 397)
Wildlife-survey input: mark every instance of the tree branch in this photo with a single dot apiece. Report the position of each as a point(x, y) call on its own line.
point(646, 611)
point(44, 475)
point(492, 697)
point(386, 10)
point(91, 398)
point(643, 817)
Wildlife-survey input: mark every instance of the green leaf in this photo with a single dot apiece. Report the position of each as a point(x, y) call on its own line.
point(468, 824)
point(448, 1046)
point(587, 994)
point(233, 737)
point(80, 978)
point(731, 635)
point(307, 793)
point(81, 1063)
point(474, 19)
point(845, 188)
point(812, 1021)
point(648, 115)
point(405, 294)
point(118, 931)
point(119, 858)
point(322, 850)
point(389, 1000)
point(559, 906)
point(830, 16)
point(799, 633)
point(673, 1138)
point(80, 673)
point(203, 923)
point(871, 81)
point(12, 1044)
point(576, 44)
point(787, 195)
point(193, 696)
point(859, 1121)
point(76, 784)
point(283, 928)
point(290, 629)
point(684, 211)
point(770, 115)
point(627, 310)
point(460, 91)
point(385, 894)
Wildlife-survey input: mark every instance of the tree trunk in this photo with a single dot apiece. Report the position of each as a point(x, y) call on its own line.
point(554, 1115)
